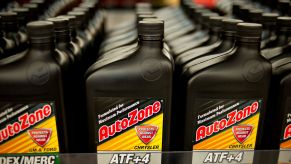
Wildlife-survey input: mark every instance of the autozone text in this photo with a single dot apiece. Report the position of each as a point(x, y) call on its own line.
point(134, 117)
point(24, 122)
point(232, 118)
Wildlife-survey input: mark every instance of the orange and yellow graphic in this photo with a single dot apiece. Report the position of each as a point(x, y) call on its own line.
point(227, 139)
point(25, 144)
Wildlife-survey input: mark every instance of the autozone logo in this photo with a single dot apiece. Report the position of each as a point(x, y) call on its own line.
point(232, 118)
point(24, 122)
point(133, 118)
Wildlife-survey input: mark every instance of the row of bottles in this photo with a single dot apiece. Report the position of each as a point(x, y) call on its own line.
point(225, 94)
point(175, 79)
point(45, 49)
point(275, 47)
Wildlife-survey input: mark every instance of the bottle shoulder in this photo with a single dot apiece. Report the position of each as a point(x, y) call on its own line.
point(233, 75)
point(132, 72)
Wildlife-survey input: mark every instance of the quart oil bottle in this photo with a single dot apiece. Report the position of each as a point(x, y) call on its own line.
point(275, 47)
point(31, 95)
point(229, 98)
point(269, 21)
point(207, 35)
point(120, 110)
point(227, 45)
point(7, 45)
point(11, 31)
point(279, 93)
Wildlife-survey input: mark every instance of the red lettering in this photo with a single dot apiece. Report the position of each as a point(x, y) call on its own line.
point(47, 110)
point(239, 116)
point(103, 133)
point(254, 107)
point(201, 133)
point(231, 117)
point(216, 126)
point(124, 123)
point(25, 121)
point(157, 107)
point(141, 115)
point(222, 124)
point(132, 115)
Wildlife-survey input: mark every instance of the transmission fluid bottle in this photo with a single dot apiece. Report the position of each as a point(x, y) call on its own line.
point(281, 129)
point(32, 110)
point(213, 42)
point(275, 47)
point(226, 103)
point(204, 37)
point(75, 41)
point(227, 45)
point(23, 19)
point(10, 27)
point(269, 22)
point(8, 45)
point(120, 111)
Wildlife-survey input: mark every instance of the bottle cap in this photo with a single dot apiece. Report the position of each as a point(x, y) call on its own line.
point(41, 31)
point(151, 29)
point(249, 31)
point(230, 25)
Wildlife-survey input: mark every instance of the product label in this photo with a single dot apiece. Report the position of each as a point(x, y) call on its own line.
point(286, 128)
point(28, 133)
point(226, 124)
point(124, 124)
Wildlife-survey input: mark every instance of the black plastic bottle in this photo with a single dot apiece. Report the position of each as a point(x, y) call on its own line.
point(283, 7)
point(10, 27)
point(283, 106)
point(129, 39)
point(71, 93)
point(115, 89)
point(34, 10)
point(8, 46)
point(144, 7)
point(88, 57)
point(131, 35)
point(62, 36)
point(229, 98)
point(211, 36)
point(31, 88)
point(275, 47)
point(200, 30)
point(269, 22)
point(215, 23)
point(23, 19)
point(227, 45)
point(75, 41)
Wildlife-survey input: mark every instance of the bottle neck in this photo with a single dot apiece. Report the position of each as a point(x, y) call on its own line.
point(49, 46)
point(152, 43)
point(228, 37)
point(248, 45)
